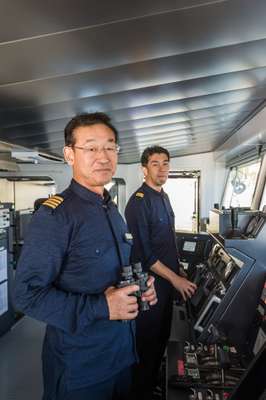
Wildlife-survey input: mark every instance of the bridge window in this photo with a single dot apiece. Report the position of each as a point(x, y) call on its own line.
point(240, 185)
point(23, 191)
point(182, 188)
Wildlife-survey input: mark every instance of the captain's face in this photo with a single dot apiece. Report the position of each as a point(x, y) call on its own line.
point(157, 170)
point(93, 157)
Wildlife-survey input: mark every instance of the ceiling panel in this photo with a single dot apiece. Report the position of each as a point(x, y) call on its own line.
point(249, 58)
point(40, 18)
point(152, 37)
point(184, 73)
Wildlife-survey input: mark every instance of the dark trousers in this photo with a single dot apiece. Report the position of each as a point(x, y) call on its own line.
point(152, 334)
point(115, 388)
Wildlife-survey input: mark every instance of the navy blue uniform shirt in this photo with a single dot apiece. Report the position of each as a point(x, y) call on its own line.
point(151, 221)
point(71, 255)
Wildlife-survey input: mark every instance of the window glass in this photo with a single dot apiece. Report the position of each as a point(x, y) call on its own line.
point(263, 199)
point(183, 195)
point(240, 186)
point(23, 191)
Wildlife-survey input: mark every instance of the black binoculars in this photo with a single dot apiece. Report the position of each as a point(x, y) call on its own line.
point(134, 275)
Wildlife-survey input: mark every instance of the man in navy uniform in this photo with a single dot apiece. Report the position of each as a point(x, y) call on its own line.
point(150, 219)
point(68, 269)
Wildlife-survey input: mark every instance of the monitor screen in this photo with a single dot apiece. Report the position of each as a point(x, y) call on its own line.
point(189, 246)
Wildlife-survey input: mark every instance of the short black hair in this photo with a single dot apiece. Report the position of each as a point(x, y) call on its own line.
point(87, 119)
point(149, 151)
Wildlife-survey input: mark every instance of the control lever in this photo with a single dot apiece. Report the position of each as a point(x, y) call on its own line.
point(198, 394)
point(208, 283)
point(198, 274)
point(187, 347)
point(199, 348)
point(193, 395)
point(220, 289)
point(209, 395)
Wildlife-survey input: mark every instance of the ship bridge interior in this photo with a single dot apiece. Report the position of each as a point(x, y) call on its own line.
point(187, 75)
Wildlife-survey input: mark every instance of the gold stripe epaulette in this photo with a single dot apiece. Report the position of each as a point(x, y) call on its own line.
point(53, 201)
point(139, 194)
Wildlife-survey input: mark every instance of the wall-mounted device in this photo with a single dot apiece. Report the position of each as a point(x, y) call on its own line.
point(6, 270)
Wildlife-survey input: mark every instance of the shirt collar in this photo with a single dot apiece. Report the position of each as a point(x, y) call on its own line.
point(147, 188)
point(89, 195)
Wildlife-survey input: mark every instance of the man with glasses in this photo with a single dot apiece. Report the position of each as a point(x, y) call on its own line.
point(70, 264)
point(151, 221)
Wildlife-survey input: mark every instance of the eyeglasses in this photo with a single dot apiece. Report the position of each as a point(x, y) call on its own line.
point(110, 149)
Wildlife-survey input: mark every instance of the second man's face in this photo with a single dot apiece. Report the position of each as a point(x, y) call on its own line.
point(157, 170)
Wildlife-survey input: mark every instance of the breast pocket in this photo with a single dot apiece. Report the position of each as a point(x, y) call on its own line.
point(160, 219)
point(93, 266)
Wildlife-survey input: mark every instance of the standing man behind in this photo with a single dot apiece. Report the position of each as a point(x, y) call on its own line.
point(70, 263)
point(151, 221)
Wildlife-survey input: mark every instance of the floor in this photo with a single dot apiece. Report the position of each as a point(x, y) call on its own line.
point(20, 361)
